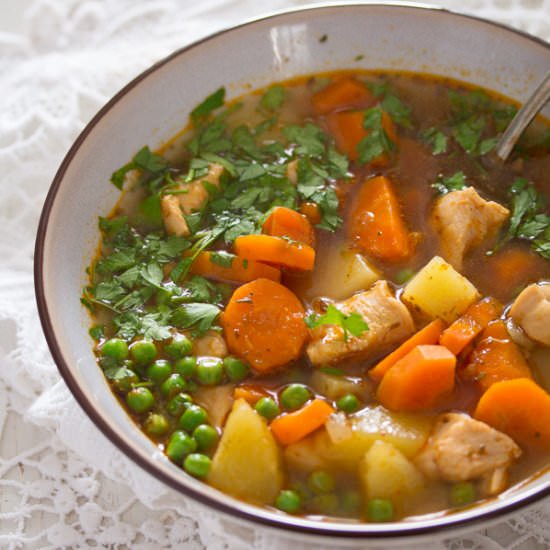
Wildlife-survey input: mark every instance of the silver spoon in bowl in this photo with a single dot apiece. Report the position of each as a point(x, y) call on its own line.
point(523, 117)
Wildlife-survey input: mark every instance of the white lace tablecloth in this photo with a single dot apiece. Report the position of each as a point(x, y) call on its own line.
point(62, 484)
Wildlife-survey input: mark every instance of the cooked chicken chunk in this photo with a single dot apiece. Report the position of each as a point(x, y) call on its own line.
point(531, 311)
point(189, 198)
point(463, 220)
point(461, 448)
point(388, 319)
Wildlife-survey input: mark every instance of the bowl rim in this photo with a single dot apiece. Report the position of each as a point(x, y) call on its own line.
point(324, 530)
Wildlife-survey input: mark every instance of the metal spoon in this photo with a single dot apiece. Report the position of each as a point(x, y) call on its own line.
point(522, 119)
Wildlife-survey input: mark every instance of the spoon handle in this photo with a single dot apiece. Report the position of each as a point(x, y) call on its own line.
point(522, 119)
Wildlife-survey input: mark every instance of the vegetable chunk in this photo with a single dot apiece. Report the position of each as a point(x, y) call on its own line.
point(418, 381)
point(237, 269)
point(376, 223)
point(385, 472)
point(264, 324)
point(519, 408)
point(294, 426)
point(247, 451)
point(467, 327)
point(428, 335)
point(285, 222)
point(276, 250)
point(496, 357)
point(439, 290)
point(344, 93)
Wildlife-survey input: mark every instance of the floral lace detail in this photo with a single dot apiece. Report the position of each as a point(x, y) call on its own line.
point(63, 485)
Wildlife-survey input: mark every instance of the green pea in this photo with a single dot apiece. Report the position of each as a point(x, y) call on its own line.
point(206, 437)
point(159, 371)
point(179, 445)
point(179, 347)
point(186, 366)
point(288, 501)
point(210, 371)
point(320, 482)
point(294, 396)
point(140, 399)
point(143, 352)
point(380, 509)
point(267, 407)
point(325, 504)
point(194, 416)
point(156, 424)
point(198, 465)
point(235, 369)
point(350, 501)
point(178, 404)
point(174, 384)
point(348, 403)
point(116, 348)
point(463, 493)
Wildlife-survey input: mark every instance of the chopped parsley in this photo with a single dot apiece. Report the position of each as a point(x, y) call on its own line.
point(456, 182)
point(528, 220)
point(377, 142)
point(436, 139)
point(352, 323)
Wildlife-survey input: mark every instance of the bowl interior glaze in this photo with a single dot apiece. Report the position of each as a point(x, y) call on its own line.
point(155, 106)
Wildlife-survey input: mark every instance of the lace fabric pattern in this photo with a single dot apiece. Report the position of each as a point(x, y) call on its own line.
point(62, 484)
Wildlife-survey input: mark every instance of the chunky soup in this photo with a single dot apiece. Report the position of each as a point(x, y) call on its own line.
point(329, 298)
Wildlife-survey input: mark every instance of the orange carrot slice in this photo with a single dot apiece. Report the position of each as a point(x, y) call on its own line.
point(468, 326)
point(428, 335)
point(345, 93)
point(290, 428)
point(264, 324)
point(376, 223)
point(495, 358)
point(285, 222)
point(519, 408)
point(241, 270)
point(276, 250)
point(419, 381)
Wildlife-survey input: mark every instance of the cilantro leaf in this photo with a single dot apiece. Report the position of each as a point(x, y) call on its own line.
point(222, 258)
point(309, 139)
point(398, 111)
point(144, 159)
point(353, 323)
point(437, 139)
point(212, 102)
point(377, 142)
point(456, 182)
point(196, 316)
point(273, 98)
point(468, 133)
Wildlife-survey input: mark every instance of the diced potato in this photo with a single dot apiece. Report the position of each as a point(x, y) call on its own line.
point(247, 462)
point(217, 401)
point(440, 291)
point(407, 432)
point(387, 473)
point(340, 273)
point(333, 387)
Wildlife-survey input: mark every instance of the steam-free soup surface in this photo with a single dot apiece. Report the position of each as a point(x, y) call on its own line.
point(330, 299)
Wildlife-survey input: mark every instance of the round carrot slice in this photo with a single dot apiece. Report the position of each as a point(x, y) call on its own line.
point(264, 324)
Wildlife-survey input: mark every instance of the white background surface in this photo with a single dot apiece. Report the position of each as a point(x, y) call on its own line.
point(59, 62)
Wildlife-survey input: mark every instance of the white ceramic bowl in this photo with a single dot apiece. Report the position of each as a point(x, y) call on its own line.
point(154, 106)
